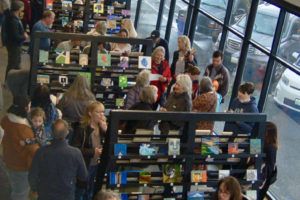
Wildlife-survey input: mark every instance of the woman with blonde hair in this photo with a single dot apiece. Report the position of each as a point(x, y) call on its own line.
point(182, 58)
point(89, 138)
point(161, 67)
point(76, 99)
point(142, 80)
point(127, 24)
point(100, 29)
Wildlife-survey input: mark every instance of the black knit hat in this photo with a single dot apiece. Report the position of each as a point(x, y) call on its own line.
point(155, 34)
point(16, 5)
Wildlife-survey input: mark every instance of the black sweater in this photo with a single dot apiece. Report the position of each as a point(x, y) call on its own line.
point(14, 30)
point(270, 161)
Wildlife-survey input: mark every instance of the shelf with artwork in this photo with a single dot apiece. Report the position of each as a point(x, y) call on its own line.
point(110, 75)
point(179, 159)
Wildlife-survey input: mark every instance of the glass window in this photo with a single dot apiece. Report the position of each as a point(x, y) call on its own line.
point(217, 8)
point(255, 68)
point(283, 108)
point(289, 47)
point(149, 10)
point(205, 39)
point(239, 14)
point(264, 25)
point(133, 10)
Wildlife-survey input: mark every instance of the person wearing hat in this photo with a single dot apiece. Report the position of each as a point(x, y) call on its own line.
point(158, 41)
point(14, 35)
point(18, 158)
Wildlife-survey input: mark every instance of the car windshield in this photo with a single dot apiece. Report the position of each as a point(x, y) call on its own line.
point(264, 24)
point(216, 3)
point(297, 64)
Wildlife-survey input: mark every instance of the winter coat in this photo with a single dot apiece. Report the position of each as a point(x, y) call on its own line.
point(175, 59)
point(14, 32)
point(164, 70)
point(176, 103)
point(206, 102)
point(82, 139)
point(16, 157)
point(132, 97)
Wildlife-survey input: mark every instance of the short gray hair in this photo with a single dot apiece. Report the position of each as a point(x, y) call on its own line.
point(106, 195)
point(143, 78)
point(59, 134)
point(206, 85)
point(157, 49)
point(185, 81)
point(147, 95)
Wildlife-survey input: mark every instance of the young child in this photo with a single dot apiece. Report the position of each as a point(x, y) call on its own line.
point(219, 96)
point(37, 119)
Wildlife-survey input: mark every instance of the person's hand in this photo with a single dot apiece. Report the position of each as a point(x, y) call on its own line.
point(163, 109)
point(162, 79)
point(98, 151)
point(229, 111)
point(103, 124)
point(22, 143)
point(26, 35)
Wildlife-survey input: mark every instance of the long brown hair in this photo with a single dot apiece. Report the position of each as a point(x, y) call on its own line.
point(86, 118)
point(271, 135)
point(80, 89)
point(232, 186)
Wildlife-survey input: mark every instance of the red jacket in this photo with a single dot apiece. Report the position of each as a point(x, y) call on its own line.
point(165, 71)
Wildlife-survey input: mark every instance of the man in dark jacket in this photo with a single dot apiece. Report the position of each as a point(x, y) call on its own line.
point(55, 167)
point(217, 71)
point(158, 41)
point(15, 35)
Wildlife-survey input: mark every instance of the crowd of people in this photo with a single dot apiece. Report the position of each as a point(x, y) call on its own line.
point(53, 147)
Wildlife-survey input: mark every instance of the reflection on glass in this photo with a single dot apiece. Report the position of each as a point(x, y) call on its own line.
point(255, 69)
point(283, 108)
point(240, 11)
point(217, 8)
point(289, 48)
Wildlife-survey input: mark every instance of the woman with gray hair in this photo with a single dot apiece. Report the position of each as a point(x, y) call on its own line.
point(148, 97)
point(206, 102)
point(178, 101)
point(142, 80)
point(161, 67)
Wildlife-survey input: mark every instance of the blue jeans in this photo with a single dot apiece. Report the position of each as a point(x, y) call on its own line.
point(86, 194)
point(19, 185)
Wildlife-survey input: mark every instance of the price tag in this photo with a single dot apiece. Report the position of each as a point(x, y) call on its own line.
point(208, 156)
point(174, 156)
point(119, 157)
point(171, 184)
point(82, 66)
point(118, 185)
point(196, 184)
point(253, 182)
point(232, 155)
point(148, 157)
point(44, 63)
point(62, 65)
point(256, 156)
point(145, 185)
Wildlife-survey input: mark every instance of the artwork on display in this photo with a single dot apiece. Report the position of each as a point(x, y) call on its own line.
point(111, 24)
point(110, 10)
point(83, 59)
point(198, 176)
point(44, 56)
point(145, 177)
point(173, 146)
point(233, 148)
point(43, 79)
point(120, 102)
point(147, 150)
point(88, 75)
point(123, 81)
point(171, 173)
point(223, 173)
point(104, 60)
point(62, 57)
point(210, 146)
point(120, 149)
point(64, 21)
point(99, 8)
point(144, 62)
point(49, 4)
point(125, 13)
point(251, 175)
point(66, 5)
point(255, 146)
